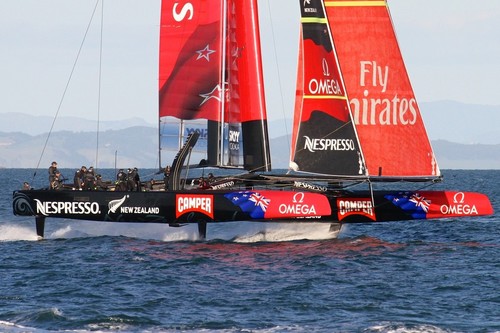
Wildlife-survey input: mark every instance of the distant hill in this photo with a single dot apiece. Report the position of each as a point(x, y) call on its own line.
point(34, 125)
point(444, 120)
point(463, 136)
point(133, 147)
point(452, 155)
point(137, 147)
point(462, 123)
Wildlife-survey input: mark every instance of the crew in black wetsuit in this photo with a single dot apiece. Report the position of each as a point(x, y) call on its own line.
point(121, 181)
point(100, 185)
point(52, 173)
point(137, 180)
point(89, 179)
point(78, 179)
point(56, 181)
point(166, 176)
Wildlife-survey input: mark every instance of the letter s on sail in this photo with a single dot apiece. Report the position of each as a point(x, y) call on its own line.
point(187, 8)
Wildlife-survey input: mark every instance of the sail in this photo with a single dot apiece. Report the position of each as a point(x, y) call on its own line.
point(190, 83)
point(324, 139)
point(201, 62)
point(383, 105)
point(246, 102)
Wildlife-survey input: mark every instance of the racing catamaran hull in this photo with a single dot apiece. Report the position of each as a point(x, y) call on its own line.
point(201, 206)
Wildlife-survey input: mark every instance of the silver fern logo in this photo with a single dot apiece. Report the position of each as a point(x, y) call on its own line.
point(113, 205)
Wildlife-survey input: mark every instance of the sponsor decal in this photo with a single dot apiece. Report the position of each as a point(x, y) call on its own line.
point(140, 210)
point(222, 186)
point(234, 140)
point(436, 204)
point(325, 85)
point(459, 206)
point(199, 203)
point(298, 206)
point(309, 9)
point(312, 187)
point(113, 205)
point(203, 132)
point(314, 145)
point(281, 204)
point(326, 69)
point(185, 12)
point(381, 111)
point(66, 208)
point(355, 206)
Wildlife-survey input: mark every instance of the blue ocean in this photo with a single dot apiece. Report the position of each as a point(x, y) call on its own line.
point(420, 276)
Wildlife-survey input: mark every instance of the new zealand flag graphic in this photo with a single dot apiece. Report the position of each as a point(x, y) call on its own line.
point(252, 203)
point(412, 203)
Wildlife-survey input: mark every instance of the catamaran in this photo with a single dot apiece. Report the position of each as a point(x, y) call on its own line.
point(356, 123)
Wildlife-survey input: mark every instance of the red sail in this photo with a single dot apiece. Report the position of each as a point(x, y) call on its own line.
point(385, 111)
point(190, 60)
point(324, 139)
point(245, 63)
point(246, 104)
point(211, 82)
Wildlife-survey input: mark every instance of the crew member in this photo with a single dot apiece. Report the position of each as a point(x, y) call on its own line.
point(203, 183)
point(137, 180)
point(52, 172)
point(100, 184)
point(121, 181)
point(211, 178)
point(89, 179)
point(131, 185)
point(78, 180)
point(56, 182)
point(166, 176)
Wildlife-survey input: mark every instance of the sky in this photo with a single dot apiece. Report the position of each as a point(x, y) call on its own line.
point(451, 49)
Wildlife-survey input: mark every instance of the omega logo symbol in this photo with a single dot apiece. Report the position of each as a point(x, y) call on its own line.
point(459, 198)
point(298, 197)
point(326, 69)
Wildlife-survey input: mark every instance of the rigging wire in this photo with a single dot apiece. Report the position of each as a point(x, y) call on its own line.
point(99, 88)
point(65, 90)
point(279, 75)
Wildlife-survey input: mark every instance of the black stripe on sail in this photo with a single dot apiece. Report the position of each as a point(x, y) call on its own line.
point(326, 145)
point(256, 147)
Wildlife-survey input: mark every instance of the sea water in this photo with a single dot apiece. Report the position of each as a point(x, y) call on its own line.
point(417, 276)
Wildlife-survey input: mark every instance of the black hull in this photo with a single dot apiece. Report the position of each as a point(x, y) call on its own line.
point(216, 206)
